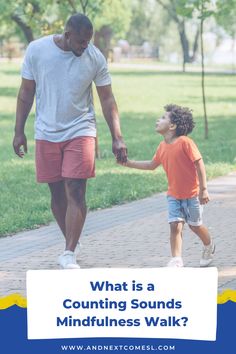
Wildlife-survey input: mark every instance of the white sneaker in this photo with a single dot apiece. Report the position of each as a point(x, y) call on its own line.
point(67, 260)
point(175, 262)
point(207, 255)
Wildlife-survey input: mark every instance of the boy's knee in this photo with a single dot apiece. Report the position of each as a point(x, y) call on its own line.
point(195, 228)
point(176, 226)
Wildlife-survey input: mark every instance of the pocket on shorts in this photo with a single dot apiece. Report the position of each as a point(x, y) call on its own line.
point(175, 212)
point(195, 210)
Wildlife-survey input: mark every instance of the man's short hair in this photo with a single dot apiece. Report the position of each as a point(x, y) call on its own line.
point(182, 117)
point(77, 22)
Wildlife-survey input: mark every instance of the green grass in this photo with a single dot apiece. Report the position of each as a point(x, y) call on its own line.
point(141, 96)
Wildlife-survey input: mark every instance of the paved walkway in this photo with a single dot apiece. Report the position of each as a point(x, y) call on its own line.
point(132, 235)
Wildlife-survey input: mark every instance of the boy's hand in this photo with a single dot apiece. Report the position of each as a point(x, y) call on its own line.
point(203, 196)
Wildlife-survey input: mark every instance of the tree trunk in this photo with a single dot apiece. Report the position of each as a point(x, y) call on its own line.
point(232, 51)
point(184, 44)
point(180, 22)
point(195, 46)
point(203, 81)
point(26, 29)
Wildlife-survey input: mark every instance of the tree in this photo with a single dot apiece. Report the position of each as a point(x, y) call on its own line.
point(38, 17)
point(179, 13)
point(28, 16)
point(203, 10)
point(226, 18)
point(226, 15)
point(149, 22)
point(111, 18)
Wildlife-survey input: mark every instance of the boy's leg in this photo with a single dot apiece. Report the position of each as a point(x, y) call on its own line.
point(176, 221)
point(194, 220)
point(202, 232)
point(209, 246)
point(176, 229)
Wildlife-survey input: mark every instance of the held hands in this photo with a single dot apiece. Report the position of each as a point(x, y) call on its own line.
point(20, 141)
point(204, 196)
point(119, 150)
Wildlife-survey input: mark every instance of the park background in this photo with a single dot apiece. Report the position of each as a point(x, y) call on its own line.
point(155, 51)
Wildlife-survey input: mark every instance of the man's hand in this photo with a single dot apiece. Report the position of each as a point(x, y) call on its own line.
point(20, 141)
point(119, 150)
point(203, 196)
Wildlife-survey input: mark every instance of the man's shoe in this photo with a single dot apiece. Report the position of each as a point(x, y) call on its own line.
point(67, 260)
point(175, 262)
point(207, 255)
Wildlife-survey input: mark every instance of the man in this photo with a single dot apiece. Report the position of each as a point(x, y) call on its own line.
point(59, 70)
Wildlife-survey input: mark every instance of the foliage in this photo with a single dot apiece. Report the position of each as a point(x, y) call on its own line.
point(32, 15)
point(49, 16)
point(226, 16)
point(148, 23)
point(116, 14)
point(179, 12)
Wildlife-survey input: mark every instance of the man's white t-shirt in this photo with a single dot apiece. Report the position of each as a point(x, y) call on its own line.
point(64, 103)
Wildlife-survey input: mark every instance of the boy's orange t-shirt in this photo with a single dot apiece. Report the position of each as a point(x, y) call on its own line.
point(178, 160)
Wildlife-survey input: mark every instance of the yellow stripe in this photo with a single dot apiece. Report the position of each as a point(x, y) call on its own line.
point(226, 295)
point(13, 299)
point(19, 300)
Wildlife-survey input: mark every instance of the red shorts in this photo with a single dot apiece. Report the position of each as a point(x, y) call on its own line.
point(73, 158)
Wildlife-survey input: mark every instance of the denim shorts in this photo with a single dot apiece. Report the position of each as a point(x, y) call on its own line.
point(187, 210)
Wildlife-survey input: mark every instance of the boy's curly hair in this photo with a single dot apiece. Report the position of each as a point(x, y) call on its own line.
point(182, 117)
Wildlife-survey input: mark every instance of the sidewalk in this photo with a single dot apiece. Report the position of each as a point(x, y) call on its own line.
point(133, 235)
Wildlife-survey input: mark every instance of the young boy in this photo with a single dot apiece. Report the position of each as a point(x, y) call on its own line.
point(187, 187)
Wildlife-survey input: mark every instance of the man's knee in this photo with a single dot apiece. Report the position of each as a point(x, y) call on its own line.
point(57, 190)
point(75, 190)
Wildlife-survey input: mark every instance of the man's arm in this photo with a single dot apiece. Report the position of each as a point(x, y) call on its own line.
point(25, 101)
point(203, 193)
point(110, 112)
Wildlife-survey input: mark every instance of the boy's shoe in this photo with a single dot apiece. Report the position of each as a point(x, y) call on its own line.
point(176, 262)
point(207, 255)
point(67, 260)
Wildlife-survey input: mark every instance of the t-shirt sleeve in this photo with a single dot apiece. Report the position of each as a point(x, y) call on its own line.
point(27, 69)
point(157, 157)
point(191, 150)
point(102, 77)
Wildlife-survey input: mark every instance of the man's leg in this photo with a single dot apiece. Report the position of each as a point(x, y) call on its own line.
point(59, 203)
point(75, 190)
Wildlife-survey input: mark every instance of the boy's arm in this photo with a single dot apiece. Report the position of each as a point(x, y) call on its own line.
point(142, 165)
point(203, 193)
